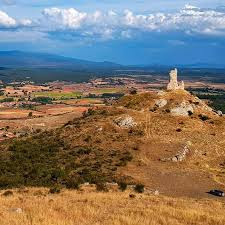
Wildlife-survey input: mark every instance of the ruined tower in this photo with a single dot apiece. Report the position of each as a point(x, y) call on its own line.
point(173, 84)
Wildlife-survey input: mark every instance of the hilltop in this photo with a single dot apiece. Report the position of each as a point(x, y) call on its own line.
point(170, 141)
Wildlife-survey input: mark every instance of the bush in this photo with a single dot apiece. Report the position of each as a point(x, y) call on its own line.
point(7, 193)
point(42, 100)
point(30, 114)
point(7, 100)
point(203, 117)
point(101, 187)
point(122, 186)
point(55, 190)
point(133, 91)
point(73, 183)
point(139, 188)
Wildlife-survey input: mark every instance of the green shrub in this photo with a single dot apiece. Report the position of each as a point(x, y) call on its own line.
point(139, 188)
point(30, 114)
point(73, 183)
point(7, 193)
point(42, 100)
point(48, 159)
point(122, 186)
point(54, 190)
point(101, 187)
point(203, 117)
point(7, 100)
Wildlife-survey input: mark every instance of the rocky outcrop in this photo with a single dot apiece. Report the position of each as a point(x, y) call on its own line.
point(161, 103)
point(180, 156)
point(173, 84)
point(220, 113)
point(125, 122)
point(184, 109)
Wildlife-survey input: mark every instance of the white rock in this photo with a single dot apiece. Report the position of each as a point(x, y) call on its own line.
point(161, 93)
point(174, 159)
point(126, 122)
point(220, 113)
point(16, 210)
point(161, 103)
point(182, 110)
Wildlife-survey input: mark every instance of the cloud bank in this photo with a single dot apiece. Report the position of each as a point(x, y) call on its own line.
point(189, 20)
point(7, 22)
point(100, 25)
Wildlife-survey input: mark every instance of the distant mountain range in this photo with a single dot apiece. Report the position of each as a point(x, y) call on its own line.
point(20, 59)
point(44, 60)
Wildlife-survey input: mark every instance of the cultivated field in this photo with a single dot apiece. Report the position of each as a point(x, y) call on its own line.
point(57, 95)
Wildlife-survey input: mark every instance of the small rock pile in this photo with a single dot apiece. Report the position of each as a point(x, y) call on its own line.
point(180, 156)
point(126, 122)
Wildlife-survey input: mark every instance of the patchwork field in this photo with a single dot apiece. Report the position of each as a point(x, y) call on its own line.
point(18, 113)
point(45, 119)
point(57, 95)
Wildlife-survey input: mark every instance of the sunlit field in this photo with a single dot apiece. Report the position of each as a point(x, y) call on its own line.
point(38, 207)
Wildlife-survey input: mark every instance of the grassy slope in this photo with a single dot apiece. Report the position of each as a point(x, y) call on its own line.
point(70, 154)
point(114, 208)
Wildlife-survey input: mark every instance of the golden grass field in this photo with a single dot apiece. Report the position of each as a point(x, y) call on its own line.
point(112, 208)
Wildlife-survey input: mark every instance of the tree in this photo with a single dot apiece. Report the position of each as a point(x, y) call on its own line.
point(30, 114)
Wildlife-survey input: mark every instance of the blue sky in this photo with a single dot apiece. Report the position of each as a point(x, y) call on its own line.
point(123, 31)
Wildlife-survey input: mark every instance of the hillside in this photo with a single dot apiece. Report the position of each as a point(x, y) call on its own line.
point(169, 141)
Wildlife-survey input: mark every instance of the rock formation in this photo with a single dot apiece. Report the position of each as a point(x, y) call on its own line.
point(184, 109)
point(173, 84)
point(126, 122)
point(181, 155)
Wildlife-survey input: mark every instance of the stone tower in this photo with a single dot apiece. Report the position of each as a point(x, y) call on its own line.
point(173, 84)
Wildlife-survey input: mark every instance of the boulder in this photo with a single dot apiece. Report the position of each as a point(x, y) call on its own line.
point(180, 156)
point(125, 122)
point(161, 103)
point(220, 113)
point(183, 109)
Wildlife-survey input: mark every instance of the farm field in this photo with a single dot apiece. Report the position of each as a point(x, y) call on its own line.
point(57, 95)
point(18, 113)
point(83, 101)
point(45, 122)
point(110, 90)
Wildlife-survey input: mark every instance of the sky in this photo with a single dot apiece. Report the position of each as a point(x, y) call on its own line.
point(129, 32)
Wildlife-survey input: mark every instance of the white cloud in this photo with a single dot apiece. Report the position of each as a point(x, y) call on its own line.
point(7, 22)
point(189, 20)
point(65, 18)
point(100, 25)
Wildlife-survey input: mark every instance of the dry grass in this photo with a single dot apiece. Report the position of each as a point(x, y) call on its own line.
point(114, 208)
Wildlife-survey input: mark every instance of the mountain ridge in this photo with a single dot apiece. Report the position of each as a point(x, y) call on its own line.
point(15, 58)
point(36, 59)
